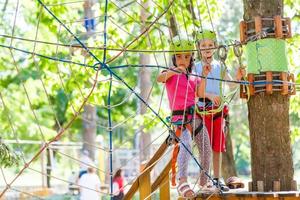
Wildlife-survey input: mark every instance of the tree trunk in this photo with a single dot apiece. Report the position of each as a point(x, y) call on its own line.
point(271, 153)
point(90, 112)
point(145, 87)
point(89, 129)
point(48, 168)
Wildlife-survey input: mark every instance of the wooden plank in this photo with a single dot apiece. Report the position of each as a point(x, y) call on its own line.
point(285, 87)
point(278, 27)
point(155, 157)
point(294, 185)
point(243, 195)
point(276, 186)
point(260, 186)
point(269, 78)
point(161, 177)
point(251, 86)
point(250, 186)
point(243, 28)
point(134, 187)
point(164, 190)
point(145, 186)
point(258, 24)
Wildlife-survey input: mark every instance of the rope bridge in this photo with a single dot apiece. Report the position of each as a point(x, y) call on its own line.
point(87, 67)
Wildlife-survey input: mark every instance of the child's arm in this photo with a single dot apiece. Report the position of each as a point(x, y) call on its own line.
point(166, 74)
point(240, 73)
point(201, 92)
point(202, 86)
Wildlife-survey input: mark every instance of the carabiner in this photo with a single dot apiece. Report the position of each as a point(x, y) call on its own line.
point(237, 49)
point(222, 53)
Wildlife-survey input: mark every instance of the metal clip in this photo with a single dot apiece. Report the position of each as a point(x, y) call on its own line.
point(238, 52)
point(171, 138)
point(222, 53)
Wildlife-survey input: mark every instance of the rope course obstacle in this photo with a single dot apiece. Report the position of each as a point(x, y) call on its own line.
point(59, 57)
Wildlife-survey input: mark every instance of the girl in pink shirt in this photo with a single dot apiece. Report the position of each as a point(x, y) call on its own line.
point(182, 91)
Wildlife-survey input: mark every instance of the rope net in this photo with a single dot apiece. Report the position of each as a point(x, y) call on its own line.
point(70, 67)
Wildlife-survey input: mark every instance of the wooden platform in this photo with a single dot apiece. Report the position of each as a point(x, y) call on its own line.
point(244, 195)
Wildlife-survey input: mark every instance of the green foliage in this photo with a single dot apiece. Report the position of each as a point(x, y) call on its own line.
point(8, 158)
point(40, 95)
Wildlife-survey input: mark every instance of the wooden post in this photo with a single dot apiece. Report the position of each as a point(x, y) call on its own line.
point(258, 24)
point(146, 172)
point(250, 186)
point(276, 186)
point(260, 186)
point(285, 86)
point(251, 86)
point(278, 27)
point(164, 190)
point(269, 86)
point(243, 29)
point(294, 185)
point(145, 186)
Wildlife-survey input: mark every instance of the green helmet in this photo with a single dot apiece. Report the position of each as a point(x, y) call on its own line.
point(181, 45)
point(206, 34)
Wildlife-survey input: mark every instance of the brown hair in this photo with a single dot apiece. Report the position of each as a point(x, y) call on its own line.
point(189, 69)
point(117, 174)
point(90, 169)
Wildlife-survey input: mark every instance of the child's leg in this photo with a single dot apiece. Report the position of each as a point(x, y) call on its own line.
point(218, 145)
point(182, 162)
point(183, 155)
point(204, 148)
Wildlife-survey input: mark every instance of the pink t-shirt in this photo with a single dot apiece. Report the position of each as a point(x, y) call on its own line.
point(181, 92)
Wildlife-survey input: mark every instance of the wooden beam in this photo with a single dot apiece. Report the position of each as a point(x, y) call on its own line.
point(145, 186)
point(285, 87)
point(243, 29)
point(278, 27)
point(276, 186)
point(258, 24)
point(161, 177)
point(148, 167)
point(134, 187)
point(164, 190)
point(269, 86)
point(260, 186)
point(156, 156)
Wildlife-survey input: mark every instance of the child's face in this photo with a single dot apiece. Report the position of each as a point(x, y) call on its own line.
point(183, 60)
point(207, 55)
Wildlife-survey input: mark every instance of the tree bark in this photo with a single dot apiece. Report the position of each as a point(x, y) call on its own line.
point(271, 153)
point(89, 129)
point(90, 112)
point(145, 87)
point(48, 168)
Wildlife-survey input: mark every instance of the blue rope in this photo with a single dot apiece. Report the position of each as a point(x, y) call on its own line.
point(48, 57)
point(108, 103)
point(76, 38)
point(147, 66)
